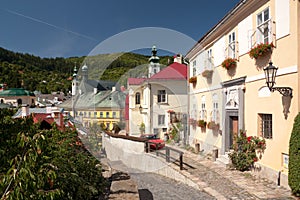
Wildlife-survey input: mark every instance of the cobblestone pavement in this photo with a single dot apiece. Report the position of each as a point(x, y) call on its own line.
point(153, 186)
point(224, 183)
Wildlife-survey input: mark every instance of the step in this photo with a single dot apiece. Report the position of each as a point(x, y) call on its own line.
point(223, 160)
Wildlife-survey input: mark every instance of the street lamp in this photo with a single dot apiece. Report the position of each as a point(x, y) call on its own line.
point(270, 75)
point(141, 109)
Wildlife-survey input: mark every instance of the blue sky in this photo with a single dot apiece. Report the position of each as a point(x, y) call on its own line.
point(65, 28)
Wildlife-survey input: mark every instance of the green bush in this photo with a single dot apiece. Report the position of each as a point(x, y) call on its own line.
point(246, 151)
point(294, 158)
point(45, 164)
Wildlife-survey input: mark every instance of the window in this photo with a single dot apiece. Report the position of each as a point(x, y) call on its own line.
point(161, 119)
point(89, 114)
point(95, 114)
point(231, 45)
point(263, 27)
point(209, 62)
point(215, 112)
point(138, 98)
point(265, 125)
point(161, 96)
point(194, 67)
point(114, 115)
point(101, 114)
point(203, 108)
point(107, 114)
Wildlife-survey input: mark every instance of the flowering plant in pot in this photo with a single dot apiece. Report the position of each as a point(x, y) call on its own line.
point(207, 73)
point(212, 125)
point(193, 79)
point(229, 63)
point(201, 123)
point(260, 50)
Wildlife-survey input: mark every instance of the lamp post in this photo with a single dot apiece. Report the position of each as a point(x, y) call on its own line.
point(270, 75)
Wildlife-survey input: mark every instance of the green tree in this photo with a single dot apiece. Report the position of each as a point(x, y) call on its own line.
point(294, 158)
point(45, 164)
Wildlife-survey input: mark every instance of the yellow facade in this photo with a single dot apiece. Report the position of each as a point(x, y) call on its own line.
point(251, 92)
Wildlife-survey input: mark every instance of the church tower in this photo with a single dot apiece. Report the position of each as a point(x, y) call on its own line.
point(84, 73)
point(154, 66)
point(75, 82)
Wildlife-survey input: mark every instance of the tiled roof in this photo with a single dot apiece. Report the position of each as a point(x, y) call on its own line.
point(31, 110)
point(173, 71)
point(16, 92)
point(103, 99)
point(135, 81)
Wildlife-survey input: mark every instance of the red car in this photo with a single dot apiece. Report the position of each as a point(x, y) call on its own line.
point(155, 142)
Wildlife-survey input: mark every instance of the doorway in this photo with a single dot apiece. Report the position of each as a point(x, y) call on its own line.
point(233, 129)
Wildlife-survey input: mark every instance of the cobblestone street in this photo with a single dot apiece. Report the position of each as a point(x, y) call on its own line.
point(153, 186)
point(224, 183)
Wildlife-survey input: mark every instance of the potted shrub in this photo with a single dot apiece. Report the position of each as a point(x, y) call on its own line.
point(201, 123)
point(229, 63)
point(207, 73)
point(260, 50)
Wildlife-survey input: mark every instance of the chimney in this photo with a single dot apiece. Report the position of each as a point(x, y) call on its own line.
point(25, 110)
point(178, 58)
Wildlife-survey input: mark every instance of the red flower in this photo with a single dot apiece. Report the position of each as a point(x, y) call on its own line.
point(255, 159)
point(249, 139)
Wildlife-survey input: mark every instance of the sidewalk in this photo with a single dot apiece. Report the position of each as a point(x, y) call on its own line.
point(223, 183)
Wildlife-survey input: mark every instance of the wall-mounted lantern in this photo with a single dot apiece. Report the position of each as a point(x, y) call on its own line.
point(270, 75)
point(141, 109)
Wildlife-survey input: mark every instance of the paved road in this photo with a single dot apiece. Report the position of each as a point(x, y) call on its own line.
point(153, 186)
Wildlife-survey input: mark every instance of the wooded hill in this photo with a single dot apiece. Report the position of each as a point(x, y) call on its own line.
point(19, 70)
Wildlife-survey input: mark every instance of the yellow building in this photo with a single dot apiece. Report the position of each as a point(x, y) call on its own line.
point(237, 98)
point(95, 102)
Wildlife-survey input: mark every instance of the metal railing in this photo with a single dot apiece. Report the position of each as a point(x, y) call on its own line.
point(167, 153)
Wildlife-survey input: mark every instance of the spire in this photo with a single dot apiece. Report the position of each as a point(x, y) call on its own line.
point(75, 71)
point(154, 58)
point(154, 66)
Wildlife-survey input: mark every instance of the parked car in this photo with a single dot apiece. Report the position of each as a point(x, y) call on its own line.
point(155, 141)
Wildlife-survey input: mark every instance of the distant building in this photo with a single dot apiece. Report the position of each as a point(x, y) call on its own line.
point(160, 100)
point(95, 102)
point(17, 97)
point(45, 116)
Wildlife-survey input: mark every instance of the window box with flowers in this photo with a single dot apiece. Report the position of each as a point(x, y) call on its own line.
point(213, 125)
point(193, 80)
point(202, 123)
point(229, 63)
point(261, 50)
point(207, 73)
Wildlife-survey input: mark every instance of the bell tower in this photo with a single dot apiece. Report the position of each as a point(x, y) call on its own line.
point(154, 66)
point(75, 82)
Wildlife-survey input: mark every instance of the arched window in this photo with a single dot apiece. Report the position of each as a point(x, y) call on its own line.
point(138, 98)
point(19, 101)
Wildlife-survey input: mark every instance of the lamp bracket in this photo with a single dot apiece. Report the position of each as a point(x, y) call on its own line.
point(285, 91)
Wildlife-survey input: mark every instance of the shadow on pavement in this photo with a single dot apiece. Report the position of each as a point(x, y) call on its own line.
point(145, 194)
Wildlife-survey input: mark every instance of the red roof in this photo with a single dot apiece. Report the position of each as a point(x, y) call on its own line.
point(173, 71)
point(135, 81)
